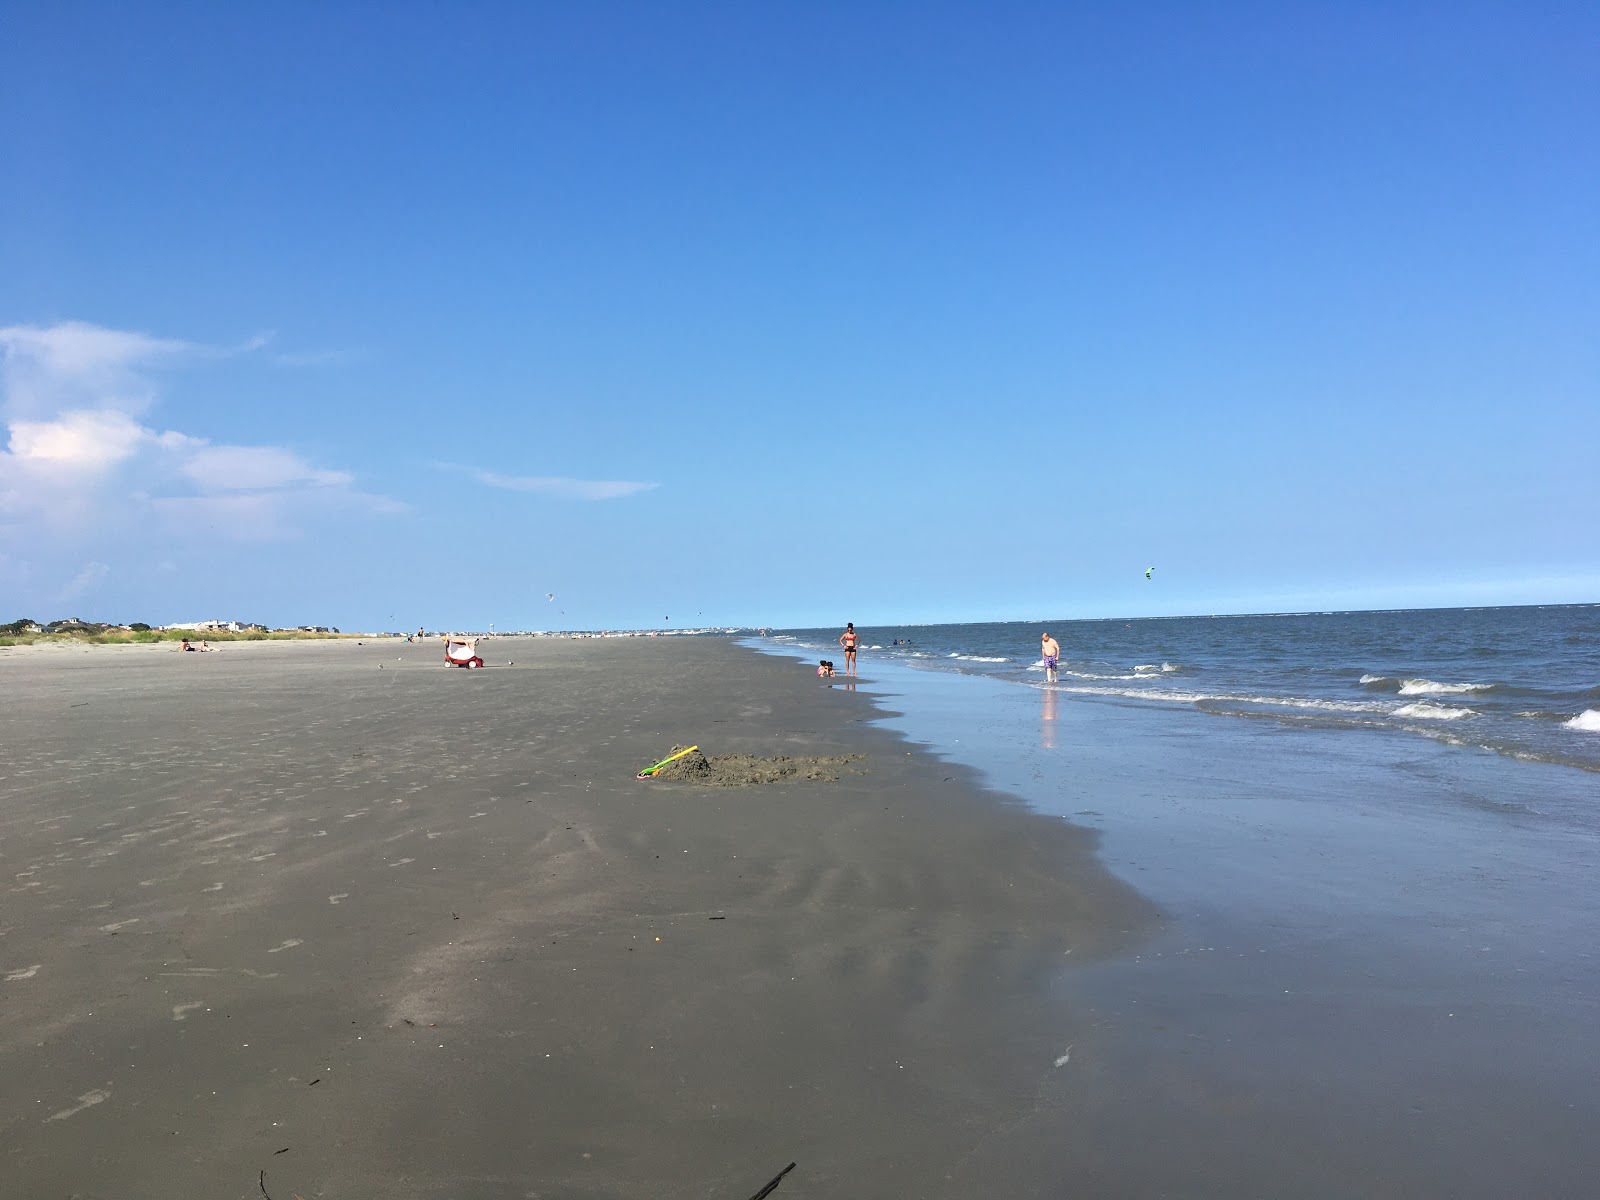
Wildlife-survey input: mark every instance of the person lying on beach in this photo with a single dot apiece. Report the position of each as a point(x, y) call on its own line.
point(825, 669)
point(183, 644)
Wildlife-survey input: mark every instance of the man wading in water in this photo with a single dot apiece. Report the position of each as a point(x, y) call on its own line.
point(1050, 650)
point(849, 641)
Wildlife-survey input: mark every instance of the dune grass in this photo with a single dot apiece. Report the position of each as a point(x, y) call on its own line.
point(124, 637)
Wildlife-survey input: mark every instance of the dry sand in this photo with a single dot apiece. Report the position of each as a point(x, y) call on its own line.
point(381, 928)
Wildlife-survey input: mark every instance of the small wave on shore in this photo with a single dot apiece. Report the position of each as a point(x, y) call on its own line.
point(1420, 687)
point(1427, 687)
point(1424, 711)
point(1588, 721)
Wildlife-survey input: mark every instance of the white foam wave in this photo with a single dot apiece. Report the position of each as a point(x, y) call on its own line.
point(1169, 668)
point(1588, 721)
point(1148, 667)
point(978, 658)
point(1427, 687)
point(1178, 697)
point(1422, 710)
point(1366, 679)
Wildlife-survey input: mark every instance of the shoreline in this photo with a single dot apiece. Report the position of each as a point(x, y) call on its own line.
point(438, 894)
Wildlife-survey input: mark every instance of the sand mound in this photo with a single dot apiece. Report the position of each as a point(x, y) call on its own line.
point(741, 770)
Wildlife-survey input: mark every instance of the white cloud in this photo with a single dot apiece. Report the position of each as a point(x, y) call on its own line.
point(557, 485)
point(46, 370)
point(251, 468)
point(88, 440)
point(81, 471)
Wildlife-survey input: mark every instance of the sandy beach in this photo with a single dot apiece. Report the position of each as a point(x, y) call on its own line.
point(379, 928)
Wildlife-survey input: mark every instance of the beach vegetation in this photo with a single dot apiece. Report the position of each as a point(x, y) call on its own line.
point(74, 632)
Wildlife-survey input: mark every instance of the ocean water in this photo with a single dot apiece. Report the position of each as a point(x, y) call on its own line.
point(1374, 842)
point(1522, 682)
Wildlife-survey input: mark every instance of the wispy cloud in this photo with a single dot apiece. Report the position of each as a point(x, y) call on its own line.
point(561, 486)
point(316, 358)
point(85, 580)
point(45, 370)
point(255, 468)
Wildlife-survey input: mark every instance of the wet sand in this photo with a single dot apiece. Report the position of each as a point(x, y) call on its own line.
point(380, 928)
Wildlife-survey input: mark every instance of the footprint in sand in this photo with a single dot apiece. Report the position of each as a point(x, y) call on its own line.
point(24, 973)
point(288, 945)
point(340, 896)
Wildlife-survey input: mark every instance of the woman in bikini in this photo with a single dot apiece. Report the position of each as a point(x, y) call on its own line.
point(849, 640)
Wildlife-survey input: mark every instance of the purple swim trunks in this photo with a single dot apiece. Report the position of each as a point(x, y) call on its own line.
point(1049, 662)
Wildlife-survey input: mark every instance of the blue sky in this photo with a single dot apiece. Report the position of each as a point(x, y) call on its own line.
point(792, 314)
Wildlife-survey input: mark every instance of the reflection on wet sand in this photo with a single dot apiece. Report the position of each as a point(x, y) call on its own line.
point(1047, 720)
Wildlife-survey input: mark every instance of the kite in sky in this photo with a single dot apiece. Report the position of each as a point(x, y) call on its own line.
point(1147, 571)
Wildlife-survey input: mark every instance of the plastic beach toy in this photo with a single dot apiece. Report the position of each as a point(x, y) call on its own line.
point(649, 771)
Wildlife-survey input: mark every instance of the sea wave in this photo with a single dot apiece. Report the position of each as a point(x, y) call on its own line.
point(1214, 698)
point(1422, 710)
point(1104, 678)
point(978, 658)
point(1588, 721)
point(1427, 687)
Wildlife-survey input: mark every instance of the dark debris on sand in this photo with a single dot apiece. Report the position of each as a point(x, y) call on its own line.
point(742, 770)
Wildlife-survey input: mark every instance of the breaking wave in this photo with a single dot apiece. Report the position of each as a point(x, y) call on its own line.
point(1422, 710)
point(1588, 721)
point(1427, 687)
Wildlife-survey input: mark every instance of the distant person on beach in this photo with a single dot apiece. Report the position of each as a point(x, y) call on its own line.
point(183, 644)
point(849, 640)
point(1050, 649)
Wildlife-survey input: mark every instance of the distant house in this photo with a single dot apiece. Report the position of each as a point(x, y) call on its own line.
point(73, 625)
